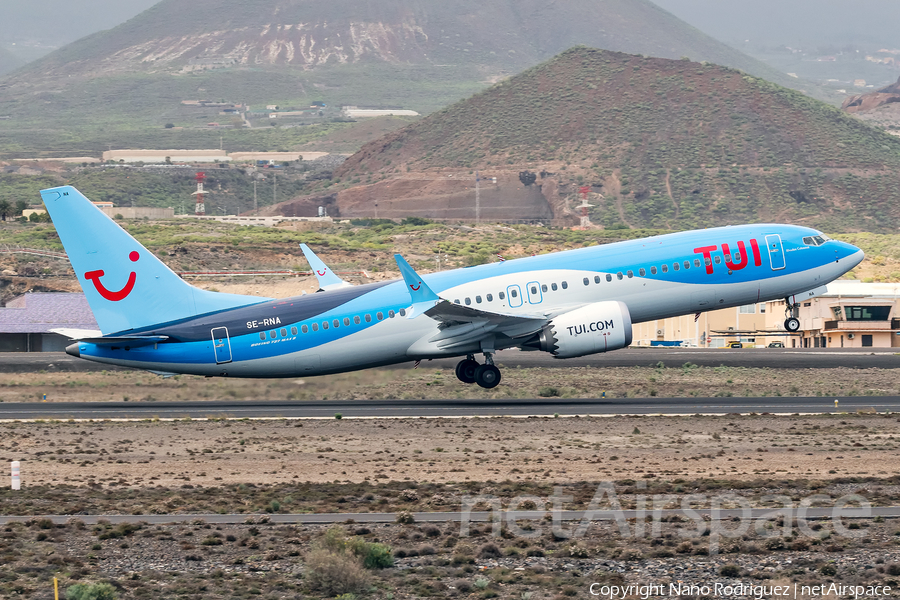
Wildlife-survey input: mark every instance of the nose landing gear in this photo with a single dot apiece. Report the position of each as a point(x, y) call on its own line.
point(487, 375)
point(791, 323)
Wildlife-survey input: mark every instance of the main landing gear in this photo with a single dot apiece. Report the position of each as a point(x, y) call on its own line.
point(486, 375)
point(791, 323)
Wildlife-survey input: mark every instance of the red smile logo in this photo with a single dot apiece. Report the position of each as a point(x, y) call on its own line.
point(321, 272)
point(111, 295)
point(415, 288)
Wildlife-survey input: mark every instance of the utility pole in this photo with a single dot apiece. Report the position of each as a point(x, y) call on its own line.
point(255, 203)
point(274, 187)
point(477, 198)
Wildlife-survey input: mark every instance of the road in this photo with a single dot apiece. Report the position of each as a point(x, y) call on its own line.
point(789, 358)
point(292, 409)
point(505, 516)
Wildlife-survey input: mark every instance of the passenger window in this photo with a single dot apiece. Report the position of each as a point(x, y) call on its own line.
point(283, 332)
point(665, 268)
point(490, 298)
point(619, 275)
point(380, 316)
point(707, 261)
point(304, 329)
point(272, 334)
point(346, 321)
point(262, 335)
point(608, 277)
point(501, 295)
point(554, 287)
point(293, 331)
point(368, 318)
point(402, 312)
point(687, 264)
point(596, 279)
point(391, 314)
point(514, 293)
point(534, 289)
point(456, 301)
point(315, 326)
point(468, 301)
point(675, 266)
point(336, 323)
point(586, 281)
point(653, 270)
point(642, 271)
point(356, 319)
point(630, 274)
point(324, 324)
point(565, 285)
point(697, 262)
point(478, 299)
point(718, 260)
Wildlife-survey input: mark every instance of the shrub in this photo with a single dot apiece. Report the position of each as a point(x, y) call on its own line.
point(548, 392)
point(405, 517)
point(91, 591)
point(893, 569)
point(490, 550)
point(775, 543)
point(373, 556)
point(334, 573)
point(730, 571)
point(829, 570)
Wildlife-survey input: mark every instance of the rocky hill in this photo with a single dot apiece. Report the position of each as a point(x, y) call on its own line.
point(419, 54)
point(659, 143)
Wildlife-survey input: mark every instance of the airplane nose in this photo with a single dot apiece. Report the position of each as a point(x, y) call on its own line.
point(72, 350)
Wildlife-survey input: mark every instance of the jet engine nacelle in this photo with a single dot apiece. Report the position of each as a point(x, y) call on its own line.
point(594, 328)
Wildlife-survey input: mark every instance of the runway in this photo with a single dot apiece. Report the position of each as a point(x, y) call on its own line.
point(773, 358)
point(541, 407)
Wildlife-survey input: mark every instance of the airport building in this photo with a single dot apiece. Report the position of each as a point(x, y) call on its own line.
point(851, 314)
point(27, 321)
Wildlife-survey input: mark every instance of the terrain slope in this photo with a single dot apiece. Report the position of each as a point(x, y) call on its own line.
point(660, 143)
point(420, 54)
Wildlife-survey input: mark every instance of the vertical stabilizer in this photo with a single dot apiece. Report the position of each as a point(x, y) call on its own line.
point(126, 286)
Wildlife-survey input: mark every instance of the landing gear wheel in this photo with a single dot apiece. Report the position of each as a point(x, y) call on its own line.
point(465, 370)
point(792, 324)
point(487, 376)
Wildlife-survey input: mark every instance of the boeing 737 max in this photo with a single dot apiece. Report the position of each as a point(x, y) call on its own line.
point(569, 304)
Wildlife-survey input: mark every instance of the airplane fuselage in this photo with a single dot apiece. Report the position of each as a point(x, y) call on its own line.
point(366, 326)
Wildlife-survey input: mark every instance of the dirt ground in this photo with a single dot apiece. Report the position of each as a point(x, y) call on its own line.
point(445, 450)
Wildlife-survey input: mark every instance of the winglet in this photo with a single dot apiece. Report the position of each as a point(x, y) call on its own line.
point(422, 296)
point(327, 279)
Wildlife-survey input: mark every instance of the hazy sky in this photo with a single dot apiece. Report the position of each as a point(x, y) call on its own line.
point(798, 22)
point(58, 22)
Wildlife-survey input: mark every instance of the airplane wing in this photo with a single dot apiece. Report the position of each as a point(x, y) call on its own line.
point(327, 278)
point(461, 325)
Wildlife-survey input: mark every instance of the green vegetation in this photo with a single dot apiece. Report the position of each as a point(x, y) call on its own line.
point(91, 591)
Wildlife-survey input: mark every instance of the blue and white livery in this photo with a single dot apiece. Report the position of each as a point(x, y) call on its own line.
point(568, 303)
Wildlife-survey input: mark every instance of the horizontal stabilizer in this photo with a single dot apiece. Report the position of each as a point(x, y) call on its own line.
point(130, 341)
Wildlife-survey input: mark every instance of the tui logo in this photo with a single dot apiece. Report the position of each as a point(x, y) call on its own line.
point(113, 296)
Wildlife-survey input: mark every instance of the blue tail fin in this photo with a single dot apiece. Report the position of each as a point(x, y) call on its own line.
point(126, 286)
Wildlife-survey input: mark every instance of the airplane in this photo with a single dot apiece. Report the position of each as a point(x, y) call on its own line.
point(568, 304)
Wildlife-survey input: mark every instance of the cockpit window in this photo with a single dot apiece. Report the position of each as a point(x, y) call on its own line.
point(815, 240)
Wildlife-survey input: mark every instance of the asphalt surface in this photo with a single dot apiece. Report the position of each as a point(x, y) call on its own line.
point(291, 409)
point(507, 516)
point(788, 358)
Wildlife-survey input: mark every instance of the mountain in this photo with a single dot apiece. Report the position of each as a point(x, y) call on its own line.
point(889, 94)
point(419, 54)
point(660, 143)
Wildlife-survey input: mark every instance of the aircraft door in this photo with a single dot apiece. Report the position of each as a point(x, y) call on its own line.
point(535, 296)
point(776, 251)
point(515, 296)
point(222, 345)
